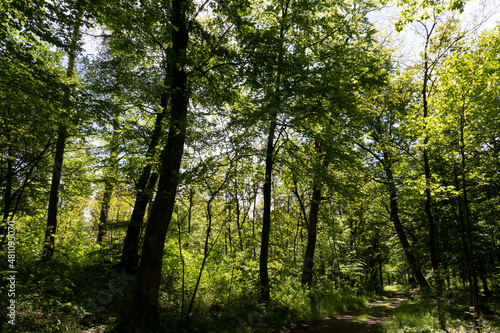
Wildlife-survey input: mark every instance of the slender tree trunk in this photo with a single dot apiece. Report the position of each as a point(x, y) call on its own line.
point(144, 191)
point(190, 209)
point(394, 211)
point(109, 181)
point(62, 135)
point(181, 256)
point(144, 307)
point(432, 246)
point(51, 228)
point(254, 218)
point(428, 201)
point(265, 294)
point(312, 223)
point(105, 206)
point(381, 278)
point(206, 252)
point(8, 186)
point(474, 290)
point(308, 265)
point(465, 248)
point(238, 216)
point(7, 196)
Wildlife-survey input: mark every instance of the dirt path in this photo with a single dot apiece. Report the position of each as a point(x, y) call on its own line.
point(365, 320)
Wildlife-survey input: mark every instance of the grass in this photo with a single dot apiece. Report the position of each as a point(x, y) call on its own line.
point(371, 313)
point(395, 288)
point(420, 315)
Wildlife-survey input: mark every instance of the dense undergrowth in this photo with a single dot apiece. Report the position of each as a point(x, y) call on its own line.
point(80, 291)
point(58, 297)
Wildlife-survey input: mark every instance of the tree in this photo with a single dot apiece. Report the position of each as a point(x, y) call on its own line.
point(62, 134)
point(127, 77)
point(183, 19)
point(109, 180)
point(288, 80)
point(144, 307)
point(312, 225)
point(384, 130)
point(31, 94)
point(462, 85)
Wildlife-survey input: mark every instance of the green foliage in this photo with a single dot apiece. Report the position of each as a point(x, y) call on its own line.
point(423, 10)
point(318, 67)
point(420, 315)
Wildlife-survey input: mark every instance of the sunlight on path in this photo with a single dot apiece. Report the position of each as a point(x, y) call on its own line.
point(368, 319)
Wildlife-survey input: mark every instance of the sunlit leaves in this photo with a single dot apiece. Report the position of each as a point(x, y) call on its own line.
point(423, 10)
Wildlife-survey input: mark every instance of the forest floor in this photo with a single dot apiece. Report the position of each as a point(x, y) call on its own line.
point(366, 320)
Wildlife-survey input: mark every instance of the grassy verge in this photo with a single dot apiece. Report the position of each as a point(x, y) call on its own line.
point(420, 315)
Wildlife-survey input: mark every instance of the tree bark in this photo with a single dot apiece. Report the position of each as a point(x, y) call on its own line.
point(7, 195)
point(144, 191)
point(108, 184)
point(62, 135)
point(8, 185)
point(265, 294)
point(428, 199)
point(50, 231)
point(105, 206)
point(394, 211)
point(190, 209)
point(308, 265)
point(465, 249)
point(143, 312)
point(474, 290)
point(238, 215)
point(312, 223)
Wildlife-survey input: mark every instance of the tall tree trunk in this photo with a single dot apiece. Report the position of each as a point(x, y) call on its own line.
point(62, 134)
point(472, 262)
point(144, 307)
point(394, 212)
point(428, 198)
point(465, 248)
point(51, 228)
point(265, 294)
point(432, 245)
point(144, 191)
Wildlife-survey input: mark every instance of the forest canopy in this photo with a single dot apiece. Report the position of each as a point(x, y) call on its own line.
point(239, 166)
